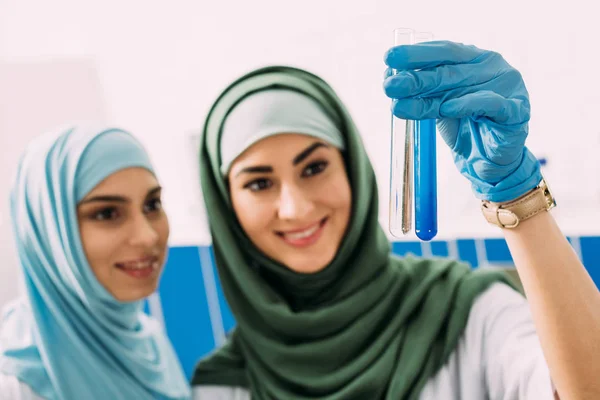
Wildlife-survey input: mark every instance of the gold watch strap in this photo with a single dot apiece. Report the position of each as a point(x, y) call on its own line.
point(509, 214)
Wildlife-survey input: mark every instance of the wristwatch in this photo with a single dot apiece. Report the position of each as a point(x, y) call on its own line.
point(510, 214)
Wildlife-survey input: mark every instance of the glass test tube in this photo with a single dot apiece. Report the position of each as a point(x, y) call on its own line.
point(401, 163)
point(425, 170)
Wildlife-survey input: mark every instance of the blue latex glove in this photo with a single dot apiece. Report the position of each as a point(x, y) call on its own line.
point(482, 111)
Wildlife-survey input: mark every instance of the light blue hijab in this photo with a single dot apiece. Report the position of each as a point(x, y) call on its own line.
point(68, 338)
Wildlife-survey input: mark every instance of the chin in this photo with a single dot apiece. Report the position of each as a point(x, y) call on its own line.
point(308, 265)
point(134, 295)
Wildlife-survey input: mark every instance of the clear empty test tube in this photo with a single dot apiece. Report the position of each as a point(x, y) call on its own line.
point(425, 170)
point(401, 163)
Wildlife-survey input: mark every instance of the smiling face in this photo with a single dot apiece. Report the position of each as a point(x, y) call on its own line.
point(124, 232)
point(292, 197)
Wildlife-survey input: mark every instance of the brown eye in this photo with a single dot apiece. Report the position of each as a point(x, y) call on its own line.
point(106, 214)
point(315, 168)
point(258, 185)
point(153, 205)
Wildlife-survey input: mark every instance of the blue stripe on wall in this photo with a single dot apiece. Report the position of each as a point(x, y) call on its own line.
point(467, 251)
point(185, 307)
point(497, 251)
point(439, 249)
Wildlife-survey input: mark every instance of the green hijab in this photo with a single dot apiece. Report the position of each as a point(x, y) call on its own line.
point(368, 326)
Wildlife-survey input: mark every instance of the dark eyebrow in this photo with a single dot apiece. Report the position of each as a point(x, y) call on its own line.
point(154, 190)
point(307, 152)
point(259, 169)
point(297, 160)
point(117, 199)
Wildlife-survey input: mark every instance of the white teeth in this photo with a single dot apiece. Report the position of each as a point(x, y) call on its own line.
point(141, 265)
point(303, 234)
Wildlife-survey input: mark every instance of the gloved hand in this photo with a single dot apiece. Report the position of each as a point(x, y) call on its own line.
point(482, 111)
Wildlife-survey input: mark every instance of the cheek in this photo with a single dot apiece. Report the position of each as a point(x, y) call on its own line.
point(99, 245)
point(336, 193)
point(163, 229)
point(253, 214)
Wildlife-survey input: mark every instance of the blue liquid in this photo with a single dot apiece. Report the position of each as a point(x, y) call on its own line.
point(426, 224)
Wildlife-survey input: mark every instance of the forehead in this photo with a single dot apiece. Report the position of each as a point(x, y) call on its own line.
point(128, 180)
point(275, 147)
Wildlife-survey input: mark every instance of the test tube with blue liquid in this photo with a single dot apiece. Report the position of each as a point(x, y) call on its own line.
point(425, 170)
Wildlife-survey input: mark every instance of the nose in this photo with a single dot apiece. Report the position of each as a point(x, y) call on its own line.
point(143, 233)
point(294, 203)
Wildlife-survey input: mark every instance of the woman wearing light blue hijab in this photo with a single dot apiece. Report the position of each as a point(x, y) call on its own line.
point(92, 239)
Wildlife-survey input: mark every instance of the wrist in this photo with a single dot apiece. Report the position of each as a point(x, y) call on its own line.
point(510, 214)
point(521, 181)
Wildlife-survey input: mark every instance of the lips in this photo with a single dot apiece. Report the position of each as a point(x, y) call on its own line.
point(139, 268)
point(304, 237)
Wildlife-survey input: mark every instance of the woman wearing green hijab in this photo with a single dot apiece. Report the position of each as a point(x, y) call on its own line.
point(323, 310)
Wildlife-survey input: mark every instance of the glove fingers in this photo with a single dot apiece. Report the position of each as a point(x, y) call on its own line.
point(416, 109)
point(387, 73)
point(487, 104)
point(437, 81)
point(448, 130)
point(430, 54)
